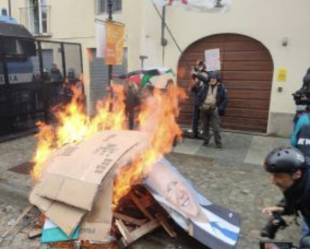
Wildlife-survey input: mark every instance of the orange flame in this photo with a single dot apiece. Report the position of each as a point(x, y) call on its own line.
point(74, 125)
point(157, 117)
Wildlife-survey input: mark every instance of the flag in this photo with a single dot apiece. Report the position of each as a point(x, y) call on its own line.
point(100, 40)
point(156, 76)
point(115, 33)
point(212, 6)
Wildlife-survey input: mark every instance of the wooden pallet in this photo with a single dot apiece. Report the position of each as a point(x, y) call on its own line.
point(132, 230)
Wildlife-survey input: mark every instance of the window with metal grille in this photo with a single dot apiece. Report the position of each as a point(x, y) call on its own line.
point(102, 6)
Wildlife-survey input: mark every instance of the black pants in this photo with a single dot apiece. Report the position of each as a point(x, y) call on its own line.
point(130, 113)
point(196, 119)
point(212, 118)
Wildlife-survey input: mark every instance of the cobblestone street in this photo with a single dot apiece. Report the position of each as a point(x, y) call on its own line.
point(232, 177)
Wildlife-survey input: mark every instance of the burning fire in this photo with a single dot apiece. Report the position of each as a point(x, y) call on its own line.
point(157, 117)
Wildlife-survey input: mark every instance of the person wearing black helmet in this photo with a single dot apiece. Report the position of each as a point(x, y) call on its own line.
point(290, 173)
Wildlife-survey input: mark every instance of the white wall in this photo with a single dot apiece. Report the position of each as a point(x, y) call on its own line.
point(267, 21)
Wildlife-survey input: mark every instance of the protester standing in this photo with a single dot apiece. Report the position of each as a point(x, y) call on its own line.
point(200, 77)
point(131, 102)
point(212, 101)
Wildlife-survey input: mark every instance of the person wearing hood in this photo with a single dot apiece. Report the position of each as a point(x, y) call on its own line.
point(212, 101)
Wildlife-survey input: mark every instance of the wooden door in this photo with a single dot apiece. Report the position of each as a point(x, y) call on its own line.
point(247, 70)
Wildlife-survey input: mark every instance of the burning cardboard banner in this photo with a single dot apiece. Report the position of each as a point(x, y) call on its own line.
point(115, 35)
point(212, 6)
point(72, 186)
point(212, 225)
point(88, 170)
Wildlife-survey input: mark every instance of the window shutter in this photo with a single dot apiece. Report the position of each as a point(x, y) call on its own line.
point(118, 5)
point(102, 6)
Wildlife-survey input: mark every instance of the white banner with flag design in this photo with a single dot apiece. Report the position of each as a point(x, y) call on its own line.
point(212, 6)
point(101, 39)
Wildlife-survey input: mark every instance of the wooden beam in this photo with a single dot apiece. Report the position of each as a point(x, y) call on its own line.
point(123, 230)
point(35, 232)
point(130, 237)
point(164, 223)
point(140, 205)
point(137, 222)
point(146, 228)
point(23, 214)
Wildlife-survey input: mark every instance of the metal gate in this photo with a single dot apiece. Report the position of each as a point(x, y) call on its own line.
point(28, 84)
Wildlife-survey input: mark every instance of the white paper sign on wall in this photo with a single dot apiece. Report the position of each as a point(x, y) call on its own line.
point(213, 60)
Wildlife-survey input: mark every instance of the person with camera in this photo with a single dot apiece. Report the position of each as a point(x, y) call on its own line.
point(300, 137)
point(200, 77)
point(306, 80)
point(302, 97)
point(212, 100)
point(290, 173)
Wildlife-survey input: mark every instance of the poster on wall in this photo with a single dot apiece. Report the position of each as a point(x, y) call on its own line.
point(212, 59)
point(282, 74)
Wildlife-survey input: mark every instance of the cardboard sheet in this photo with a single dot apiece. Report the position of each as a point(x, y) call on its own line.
point(76, 170)
point(73, 181)
point(97, 224)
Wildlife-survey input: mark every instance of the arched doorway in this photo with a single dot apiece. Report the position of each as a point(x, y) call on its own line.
point(247, 69)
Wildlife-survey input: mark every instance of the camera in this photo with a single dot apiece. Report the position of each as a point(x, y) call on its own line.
point(273, 225)
point(276, 245)
point(299, 94)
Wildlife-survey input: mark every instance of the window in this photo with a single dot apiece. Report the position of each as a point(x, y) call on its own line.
point(38, 13)
point(102, 6)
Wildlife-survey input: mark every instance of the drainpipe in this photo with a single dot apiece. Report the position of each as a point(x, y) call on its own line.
point(110, 18)
point(164, 41)
point(110, 67)
point(9, 7)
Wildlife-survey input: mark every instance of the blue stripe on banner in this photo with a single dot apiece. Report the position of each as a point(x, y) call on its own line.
point(228, 233)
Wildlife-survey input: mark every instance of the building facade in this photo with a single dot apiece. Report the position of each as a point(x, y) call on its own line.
point(258, 40)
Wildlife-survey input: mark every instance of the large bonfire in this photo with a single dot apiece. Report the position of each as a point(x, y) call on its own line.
point(157, 116)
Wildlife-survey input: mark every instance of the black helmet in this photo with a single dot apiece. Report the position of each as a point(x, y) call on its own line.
point(284, 160)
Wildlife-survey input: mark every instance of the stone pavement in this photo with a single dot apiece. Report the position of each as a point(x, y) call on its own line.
point(232, 177)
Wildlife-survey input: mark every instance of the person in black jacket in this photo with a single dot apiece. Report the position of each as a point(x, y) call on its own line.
point(131, 102)
point(302, 96)
point(200, 77)
point(290, 173)
point(212, 100)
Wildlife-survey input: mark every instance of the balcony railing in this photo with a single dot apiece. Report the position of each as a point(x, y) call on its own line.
point(37, 19)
